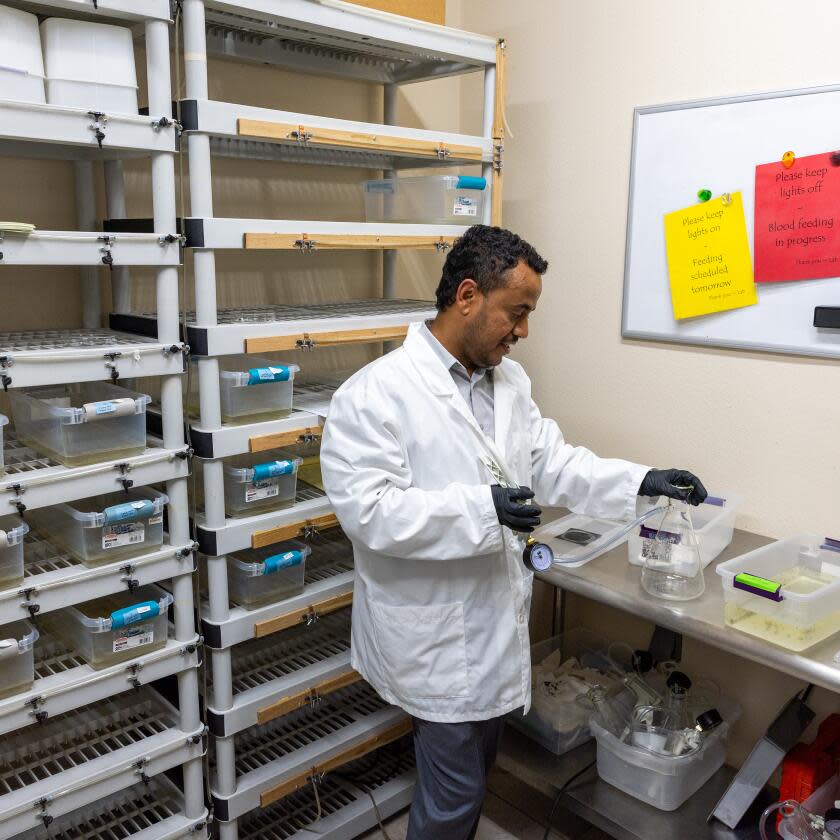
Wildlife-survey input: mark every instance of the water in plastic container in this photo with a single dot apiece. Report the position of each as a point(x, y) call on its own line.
point(267, 575)
point(260, 481)
point(426, 199)
point(673, 567)
point(17, 660)
point(12, 532)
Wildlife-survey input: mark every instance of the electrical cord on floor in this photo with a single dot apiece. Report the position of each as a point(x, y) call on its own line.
point(559, 796)
point(354, 780)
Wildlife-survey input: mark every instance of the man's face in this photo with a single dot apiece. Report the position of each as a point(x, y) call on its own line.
point(496, 321)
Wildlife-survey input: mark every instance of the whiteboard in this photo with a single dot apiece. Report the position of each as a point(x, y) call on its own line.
point(716, 144)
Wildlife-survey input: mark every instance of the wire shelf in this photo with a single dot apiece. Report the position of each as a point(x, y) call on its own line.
point(52, 657)
point(20, 342)
point(41, 556)
point(21, 459)
point(299, 811)
point(261, 745)
point(80, 736)
point(118, 817)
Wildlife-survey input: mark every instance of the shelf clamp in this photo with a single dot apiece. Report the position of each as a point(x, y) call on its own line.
point(310, 617)
point(133, 669)
point(301, 135)
point(306, 344)
point(124, 469)
point(165, 122)
point(305, 244)
point(40, 715)
point(186, 551)
point(308, 438)
point(5, 363)
point(128, 570)
point(139, 769)
point(442, 151)
point(168, 238)
point(498, 154)
point(111, 365)
point(18, 490)
point(314, 699)
point(100, 120)
point(43, 815)
point(108, 240)
point(308, 531)
point(442, 246)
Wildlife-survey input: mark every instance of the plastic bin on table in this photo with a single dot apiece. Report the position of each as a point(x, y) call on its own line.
point(426, 199)
point(106, 528)
point(81, 423)
point(267, 575)
point(17, 658)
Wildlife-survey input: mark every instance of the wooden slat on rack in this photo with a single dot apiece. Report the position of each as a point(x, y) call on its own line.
point(393, 733)
point(335, 338)
point(343, 242)
point(260, 539)
point(302, 698)
point(295, 617)
point(277, 440)
point(311, 136)
point(499, 133)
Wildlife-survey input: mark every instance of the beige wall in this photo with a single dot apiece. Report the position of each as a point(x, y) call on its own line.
point(765, 425)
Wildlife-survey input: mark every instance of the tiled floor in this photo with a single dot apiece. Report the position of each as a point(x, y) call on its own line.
point(512, 811)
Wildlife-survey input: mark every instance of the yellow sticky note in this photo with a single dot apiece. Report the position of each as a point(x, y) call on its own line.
point(709, 265)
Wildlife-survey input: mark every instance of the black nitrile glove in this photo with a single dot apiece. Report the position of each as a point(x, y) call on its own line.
point(511, 510)
point(675, 484)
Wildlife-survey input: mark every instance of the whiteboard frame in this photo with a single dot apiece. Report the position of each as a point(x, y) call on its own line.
point(699, 341)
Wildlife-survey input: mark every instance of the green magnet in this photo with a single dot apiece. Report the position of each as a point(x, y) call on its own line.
point(704, 195)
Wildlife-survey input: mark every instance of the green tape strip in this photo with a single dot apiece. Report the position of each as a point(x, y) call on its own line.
point(758, 582)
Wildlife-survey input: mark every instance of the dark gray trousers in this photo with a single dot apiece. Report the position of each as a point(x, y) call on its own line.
point(453, 762)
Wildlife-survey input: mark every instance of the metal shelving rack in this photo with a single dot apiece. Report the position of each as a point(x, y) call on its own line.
point(81, 738)
point(326, 38)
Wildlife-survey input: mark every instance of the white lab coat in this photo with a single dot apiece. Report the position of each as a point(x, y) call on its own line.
point(440, 611)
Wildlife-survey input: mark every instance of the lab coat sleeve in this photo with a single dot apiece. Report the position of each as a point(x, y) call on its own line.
point(369, 482)
point(574, 477)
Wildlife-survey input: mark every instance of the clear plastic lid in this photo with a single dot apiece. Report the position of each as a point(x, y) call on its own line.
point(12, 531)
point(258, 562)
point(451, 182)
point(138, 505)
point(704, 516)
point(16, 638)
point(247, 371)
point(85, 402)
point(122, 609)
point(259, 466)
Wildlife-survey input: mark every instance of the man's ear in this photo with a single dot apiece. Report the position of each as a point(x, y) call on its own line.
point(465, 297)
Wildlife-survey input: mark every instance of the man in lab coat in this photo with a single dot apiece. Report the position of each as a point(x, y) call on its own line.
point(416, 450)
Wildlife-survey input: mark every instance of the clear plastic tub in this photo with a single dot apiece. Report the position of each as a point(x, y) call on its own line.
point(267, 575)
point(253, 387)
point(115, 628)
point(560, 722)
point(21, 61)
point(260, 481)
point(17, 659)
point(106, 528)
point(427, 199)
point(665, 782)
point(576, 539)
point(714, 522)
point(81, 423)
point(817, 803)
point(12, 532)
point(79, 55)
point(4, 421)
point(787, 592)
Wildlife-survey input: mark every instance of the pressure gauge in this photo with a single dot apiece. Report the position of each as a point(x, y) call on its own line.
point(537, 556)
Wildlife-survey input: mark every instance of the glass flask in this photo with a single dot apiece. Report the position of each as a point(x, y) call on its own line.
point(673, 568)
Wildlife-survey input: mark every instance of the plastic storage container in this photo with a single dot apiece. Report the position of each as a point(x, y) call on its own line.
point(4, 421)
point(79, 55)
point(81, 423)
point(106, 528)
point(817, 803)
point(557, 719)
point(429, 199)
point(260, 481)
point(252, 387)
point(714, 522)
point(787, 593)
point(267, 575)
point(665, 782)
point(115, 628)
point(17, 659)
point(12, 532)
point(576, 539)
point(21, 61)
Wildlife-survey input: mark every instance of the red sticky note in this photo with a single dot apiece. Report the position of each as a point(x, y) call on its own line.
point(797, 219)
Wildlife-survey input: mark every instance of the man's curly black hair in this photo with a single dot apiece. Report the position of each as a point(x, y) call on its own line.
point(484, 254)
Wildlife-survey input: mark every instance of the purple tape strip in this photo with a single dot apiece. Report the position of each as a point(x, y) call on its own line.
point(771, 596)
point(831, 544)
point(663, 536)
point(717, 501)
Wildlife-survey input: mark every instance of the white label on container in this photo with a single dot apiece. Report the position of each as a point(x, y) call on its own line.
point(257, 490)
point(128, 533)
point(134, 636)
point(156, 520)
point(465, 207)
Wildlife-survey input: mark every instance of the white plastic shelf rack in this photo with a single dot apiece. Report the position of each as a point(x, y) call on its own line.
point(49, 357)
point(54, 579)
point(280, 327)
point(90, 248)
point(152, 811)
point(271, 756)
point(130, 10)
point(272, 676)
point(345, 806)
point(64, 681)
point(84, 755)
point(36, 481)
point(328, 588)
point(53, 131)
point(342, 39)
